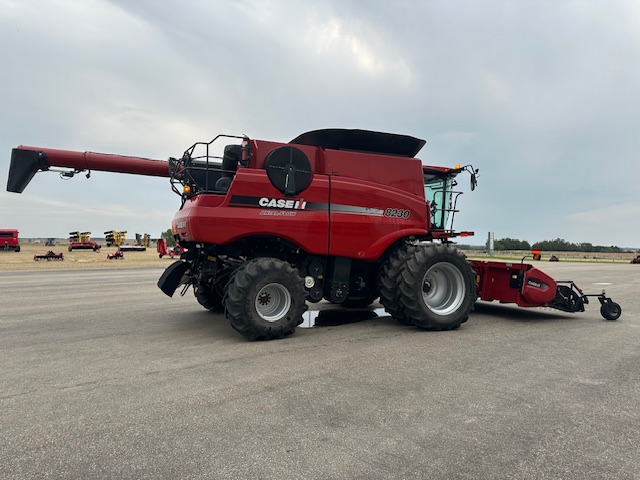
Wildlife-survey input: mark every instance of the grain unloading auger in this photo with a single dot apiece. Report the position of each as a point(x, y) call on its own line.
point(27, 161)
point(345, 216)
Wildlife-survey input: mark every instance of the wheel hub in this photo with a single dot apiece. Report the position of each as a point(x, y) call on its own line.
point(443, 288)
point(273, 302)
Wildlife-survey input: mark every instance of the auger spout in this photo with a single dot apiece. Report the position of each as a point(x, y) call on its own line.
point(27, 161)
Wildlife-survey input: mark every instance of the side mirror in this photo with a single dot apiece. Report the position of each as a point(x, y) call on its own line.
point(474, 181)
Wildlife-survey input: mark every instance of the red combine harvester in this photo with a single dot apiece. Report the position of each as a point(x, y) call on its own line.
point(346, 216)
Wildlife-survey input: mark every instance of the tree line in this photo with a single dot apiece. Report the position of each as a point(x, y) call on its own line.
point(168, 236)
point(556, 245)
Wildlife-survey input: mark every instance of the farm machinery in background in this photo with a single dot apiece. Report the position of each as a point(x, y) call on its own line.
point(115, 237)
point(9, 239)
point(142, 242)
point(117, 255)
point(82, 241)
point(164, 250)
point(344, 216)
point(50, 255)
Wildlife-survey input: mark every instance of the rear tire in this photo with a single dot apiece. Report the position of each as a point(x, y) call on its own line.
point(265, 299)
point(437, 288)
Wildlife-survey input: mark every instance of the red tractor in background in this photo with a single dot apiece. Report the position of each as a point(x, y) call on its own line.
point(9, 239)
point(117, 255)
point(346, 216)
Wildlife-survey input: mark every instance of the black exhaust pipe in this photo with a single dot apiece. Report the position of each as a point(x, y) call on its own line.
point(24, 165)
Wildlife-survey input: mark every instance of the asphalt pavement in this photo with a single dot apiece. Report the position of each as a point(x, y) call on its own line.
point(103, 376)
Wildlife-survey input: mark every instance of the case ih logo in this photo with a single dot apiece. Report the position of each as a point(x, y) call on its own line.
point(282, 203)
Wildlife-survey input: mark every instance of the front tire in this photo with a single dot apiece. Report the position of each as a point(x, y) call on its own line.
point(265, 299)
point(437, 288)
point(210, 293)
point(389, 283)
point(209, 299)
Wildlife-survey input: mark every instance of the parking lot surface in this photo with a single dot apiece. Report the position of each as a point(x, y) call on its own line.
point(105, 377)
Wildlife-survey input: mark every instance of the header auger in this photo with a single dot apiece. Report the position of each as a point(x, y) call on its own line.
point(344, 216)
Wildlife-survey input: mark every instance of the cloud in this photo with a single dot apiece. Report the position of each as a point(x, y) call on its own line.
point(361, 45)
point(543, 97)
point(615, 214)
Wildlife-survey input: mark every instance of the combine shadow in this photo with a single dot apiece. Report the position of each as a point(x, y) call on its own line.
point(331, 318)
point(330, 315)
point(203, 323)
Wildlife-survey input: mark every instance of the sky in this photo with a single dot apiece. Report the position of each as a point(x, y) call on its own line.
point(543, 97)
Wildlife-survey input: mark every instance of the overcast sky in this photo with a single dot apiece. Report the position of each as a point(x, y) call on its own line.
point(542, 96)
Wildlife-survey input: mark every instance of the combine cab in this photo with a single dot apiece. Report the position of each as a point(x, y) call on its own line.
point(342, 216)
point(82, 241)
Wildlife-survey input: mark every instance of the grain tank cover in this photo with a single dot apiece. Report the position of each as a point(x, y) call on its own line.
point(362, 141)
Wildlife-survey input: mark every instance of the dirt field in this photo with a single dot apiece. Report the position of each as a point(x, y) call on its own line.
point(76, 259)
point(587, 257)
